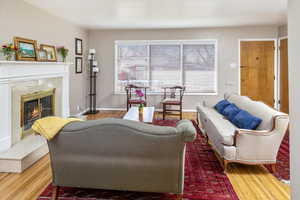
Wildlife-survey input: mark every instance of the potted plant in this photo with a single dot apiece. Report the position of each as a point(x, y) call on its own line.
point(9, 51)
point(63, 52)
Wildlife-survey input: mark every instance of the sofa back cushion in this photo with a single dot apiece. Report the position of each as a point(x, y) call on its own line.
point(256, 108)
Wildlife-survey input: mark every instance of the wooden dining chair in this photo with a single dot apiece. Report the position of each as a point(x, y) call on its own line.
point(132, 98)
point(173, 97)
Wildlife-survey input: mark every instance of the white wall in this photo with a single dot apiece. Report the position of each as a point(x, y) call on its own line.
point(18, 18)
point(103, 42)
point(27, 21)
point(294, 83)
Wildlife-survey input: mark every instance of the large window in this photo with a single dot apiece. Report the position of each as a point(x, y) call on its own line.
point(165, 63)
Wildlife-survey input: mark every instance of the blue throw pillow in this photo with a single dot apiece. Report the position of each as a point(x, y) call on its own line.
point(231, 111)
point(245, 120)
point(221, 106)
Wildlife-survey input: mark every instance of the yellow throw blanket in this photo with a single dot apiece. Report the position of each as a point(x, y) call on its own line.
point(48, 127)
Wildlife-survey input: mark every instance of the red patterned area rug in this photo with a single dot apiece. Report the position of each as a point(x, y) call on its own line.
point(204, 179)
point(283, 160)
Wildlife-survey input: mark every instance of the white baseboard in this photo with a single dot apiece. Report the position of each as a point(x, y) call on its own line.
point(114, 109)
point(189, 110)
point(82, 112)
point(124, 109)
point(157, 109)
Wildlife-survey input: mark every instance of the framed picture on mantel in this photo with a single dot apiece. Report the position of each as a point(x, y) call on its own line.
point(51, 52)
point(41, 55)
point(78, 46)
point(27, 49)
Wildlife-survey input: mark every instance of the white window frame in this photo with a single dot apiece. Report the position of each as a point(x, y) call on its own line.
point(168, 42)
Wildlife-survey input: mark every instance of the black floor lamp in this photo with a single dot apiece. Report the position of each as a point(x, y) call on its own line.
point(93, 78)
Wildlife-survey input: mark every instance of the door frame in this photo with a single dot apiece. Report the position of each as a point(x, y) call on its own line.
point(278, 71)
point(276, 85)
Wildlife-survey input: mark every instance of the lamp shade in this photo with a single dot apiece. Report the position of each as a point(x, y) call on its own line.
point(92, 51)
point(95, 69)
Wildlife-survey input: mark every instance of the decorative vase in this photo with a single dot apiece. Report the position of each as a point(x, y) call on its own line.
point(140, 116)
point(141, 107)
point(141, 111)
point(9, 56)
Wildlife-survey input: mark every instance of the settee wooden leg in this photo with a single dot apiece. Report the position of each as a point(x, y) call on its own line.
point(180, 112)
point(164, 111)
point(179, 196)
point(273, 167)
point(207, 139)
point(55, 191)
point(225, 165)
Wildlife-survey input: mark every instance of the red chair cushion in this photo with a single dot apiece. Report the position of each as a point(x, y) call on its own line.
point(171, 102)
point(136, 101)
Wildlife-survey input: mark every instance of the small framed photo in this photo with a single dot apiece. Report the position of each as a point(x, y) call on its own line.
point(78, 65)
point(51, 52)
point(78, 46)
point(27, 49)
point(42, 55)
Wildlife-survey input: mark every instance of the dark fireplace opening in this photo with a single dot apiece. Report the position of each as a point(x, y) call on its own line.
point(31, 113)
point(36, 106)
point(47, 106)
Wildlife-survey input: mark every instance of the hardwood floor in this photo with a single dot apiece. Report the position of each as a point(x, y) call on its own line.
point(249, 182)
point(29, 184)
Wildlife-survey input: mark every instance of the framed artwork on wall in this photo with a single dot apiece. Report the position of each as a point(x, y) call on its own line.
point(42, 55)
point(78, 65)
point(27, 49)
point(51, 52)
point(78, 46)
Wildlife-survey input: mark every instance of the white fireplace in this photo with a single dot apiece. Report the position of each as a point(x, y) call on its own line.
point(19, 79)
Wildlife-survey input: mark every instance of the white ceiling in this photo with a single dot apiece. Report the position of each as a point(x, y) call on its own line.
point(119, 14)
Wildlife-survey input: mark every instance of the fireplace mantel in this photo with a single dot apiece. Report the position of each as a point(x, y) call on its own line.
point(12, 72)
point(23, 70)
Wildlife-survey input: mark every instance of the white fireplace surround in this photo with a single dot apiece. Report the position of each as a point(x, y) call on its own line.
point(13, 72)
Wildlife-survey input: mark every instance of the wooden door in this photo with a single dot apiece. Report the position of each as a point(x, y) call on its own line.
point(257, 70)
point(284, 77)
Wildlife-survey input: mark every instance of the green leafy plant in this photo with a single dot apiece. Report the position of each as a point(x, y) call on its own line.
point(9, 50)
point(63, 52)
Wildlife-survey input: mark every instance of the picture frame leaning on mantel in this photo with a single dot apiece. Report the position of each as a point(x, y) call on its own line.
point(27, 49)
point(41, 55)
point(51, 52)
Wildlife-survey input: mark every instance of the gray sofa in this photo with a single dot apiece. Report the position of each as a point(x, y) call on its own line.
point(119, 154)
point(239, 145)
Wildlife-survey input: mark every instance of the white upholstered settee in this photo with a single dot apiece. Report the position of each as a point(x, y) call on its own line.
point(232, 144)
